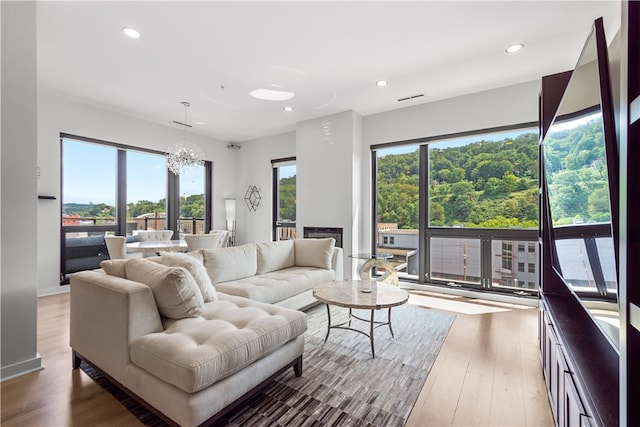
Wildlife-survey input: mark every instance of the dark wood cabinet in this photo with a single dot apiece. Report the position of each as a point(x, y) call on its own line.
point(592, 381)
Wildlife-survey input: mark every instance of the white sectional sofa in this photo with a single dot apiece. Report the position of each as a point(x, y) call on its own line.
point(169, 332)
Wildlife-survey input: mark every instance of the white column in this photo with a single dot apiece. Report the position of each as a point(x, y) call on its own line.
point(328, 190)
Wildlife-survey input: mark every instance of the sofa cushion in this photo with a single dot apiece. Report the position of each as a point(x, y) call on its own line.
point(231, 334)
point(278, 285)
point(174, 289)
point(196, 269)
point(314, 252)
point(115, 267)
point(230, 263)
point(274, 256)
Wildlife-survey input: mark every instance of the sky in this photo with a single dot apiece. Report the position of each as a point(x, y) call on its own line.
point(89, 175)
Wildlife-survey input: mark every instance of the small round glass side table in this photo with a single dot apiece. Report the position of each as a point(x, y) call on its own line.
point(379, 260)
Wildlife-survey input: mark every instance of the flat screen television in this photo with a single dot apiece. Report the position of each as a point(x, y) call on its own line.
point(580, 168)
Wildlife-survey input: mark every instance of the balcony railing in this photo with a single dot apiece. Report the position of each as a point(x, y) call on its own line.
point(96, 225)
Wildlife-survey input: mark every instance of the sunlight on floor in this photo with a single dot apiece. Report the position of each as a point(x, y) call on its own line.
point(461, 305)
point(451, 305)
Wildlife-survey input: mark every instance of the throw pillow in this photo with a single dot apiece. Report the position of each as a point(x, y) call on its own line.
point(114, 267)
point(314, 252)
point(174, 289)
point(274, 256)
point(196, 269)
point(234, 263)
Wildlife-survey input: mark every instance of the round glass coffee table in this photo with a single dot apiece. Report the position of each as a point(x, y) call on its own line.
point(360, 294)
point(378, 260)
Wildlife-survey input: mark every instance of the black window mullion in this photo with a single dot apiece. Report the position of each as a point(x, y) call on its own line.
point(208, 177)
point(424, 243)
point(173, 204)
point(121, 193)
point(275, 207)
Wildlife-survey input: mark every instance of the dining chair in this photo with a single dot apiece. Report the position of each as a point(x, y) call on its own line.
point(202, 241)
point(145, 235)
point(116, 246)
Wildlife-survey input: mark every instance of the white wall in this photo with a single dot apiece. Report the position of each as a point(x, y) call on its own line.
point(498, 107)
point(253, 167)
point(56, 115)
point(18, 258)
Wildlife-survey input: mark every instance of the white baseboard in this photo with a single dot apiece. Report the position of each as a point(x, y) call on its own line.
point(53, 291)
point(21, 368)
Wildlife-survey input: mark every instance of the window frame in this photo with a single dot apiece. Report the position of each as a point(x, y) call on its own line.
point(276, 225)
point(119, 228)
point(426, 232)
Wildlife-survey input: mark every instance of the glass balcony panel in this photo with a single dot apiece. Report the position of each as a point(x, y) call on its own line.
point(512, 266)
point(607, 262)
point(575, 265)
point(455, 260)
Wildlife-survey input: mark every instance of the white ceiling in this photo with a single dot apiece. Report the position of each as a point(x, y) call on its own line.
point(329, 53)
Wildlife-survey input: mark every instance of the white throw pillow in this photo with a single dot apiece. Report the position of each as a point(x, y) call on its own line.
point(196, 269)
point(234, 263)
point(274, 256)
point(314, 252)
point(174, 289)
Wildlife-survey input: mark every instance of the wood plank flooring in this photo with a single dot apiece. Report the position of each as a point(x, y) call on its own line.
point(488, 373)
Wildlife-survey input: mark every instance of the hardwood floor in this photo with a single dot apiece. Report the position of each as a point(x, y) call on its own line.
point(488, 373)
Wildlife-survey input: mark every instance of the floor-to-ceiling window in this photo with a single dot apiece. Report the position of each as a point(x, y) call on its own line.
point(461, 211)
point(110, 188)
point(284, 199)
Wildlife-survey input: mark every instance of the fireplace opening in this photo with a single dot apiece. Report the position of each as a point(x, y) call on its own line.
point(323, 232)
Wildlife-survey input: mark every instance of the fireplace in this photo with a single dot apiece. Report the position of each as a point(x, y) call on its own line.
point(323, 232)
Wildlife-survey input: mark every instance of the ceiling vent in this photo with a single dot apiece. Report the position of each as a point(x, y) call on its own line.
point(411, 97)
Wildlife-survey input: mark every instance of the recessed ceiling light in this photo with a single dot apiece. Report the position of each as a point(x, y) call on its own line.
point(271, 95)
point(514, 48)
point(131, 32)
point(288, 108)
point(382, 83)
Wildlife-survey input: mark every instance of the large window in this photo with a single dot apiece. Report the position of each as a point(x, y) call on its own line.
point(114, 189)
point(284, 199)
point(146, 191)
point(474, 199)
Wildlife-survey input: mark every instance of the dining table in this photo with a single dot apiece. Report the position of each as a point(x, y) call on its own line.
point(157, 246)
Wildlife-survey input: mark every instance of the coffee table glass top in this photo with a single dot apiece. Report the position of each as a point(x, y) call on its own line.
point(349, 294)
point(369, 255)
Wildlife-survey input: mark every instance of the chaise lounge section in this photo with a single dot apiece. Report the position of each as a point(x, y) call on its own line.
point(181, 346)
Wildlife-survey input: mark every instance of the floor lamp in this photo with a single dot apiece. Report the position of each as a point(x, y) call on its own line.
point(230, 209)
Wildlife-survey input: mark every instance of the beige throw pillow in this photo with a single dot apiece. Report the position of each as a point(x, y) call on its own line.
point(196, 269)
point(233, 263)
point(115, 267)
point(314, 252)
point(274, 256)
point(174, 289)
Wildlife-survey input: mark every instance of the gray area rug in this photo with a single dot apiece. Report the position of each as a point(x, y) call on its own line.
point(341, 385)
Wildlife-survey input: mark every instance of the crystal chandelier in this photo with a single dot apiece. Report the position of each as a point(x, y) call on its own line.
point(184, 156)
